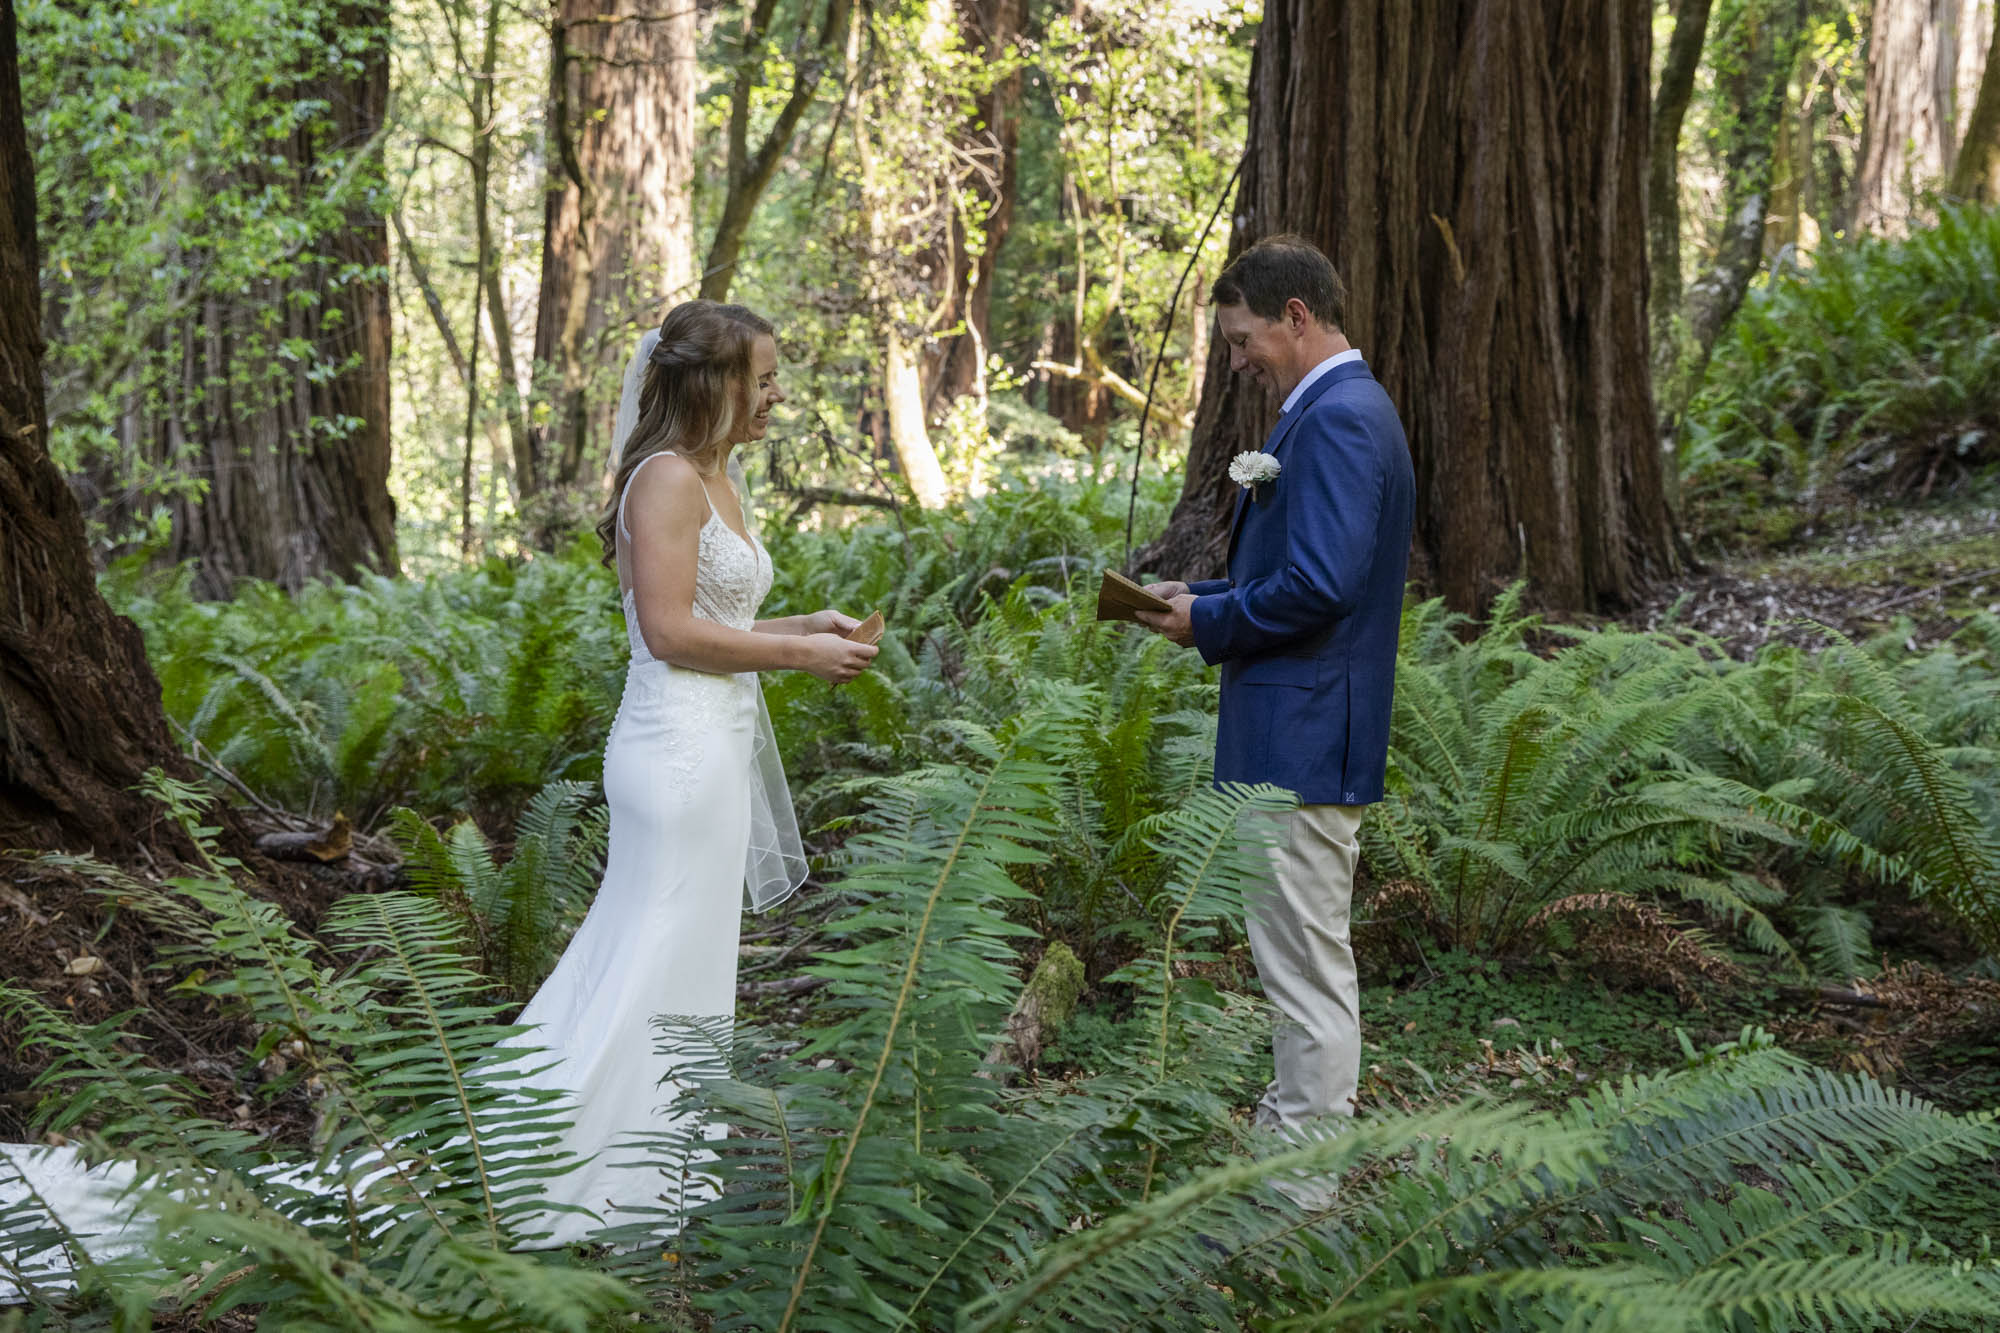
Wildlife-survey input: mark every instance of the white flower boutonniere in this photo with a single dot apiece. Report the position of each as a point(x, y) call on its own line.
point(1253, 469)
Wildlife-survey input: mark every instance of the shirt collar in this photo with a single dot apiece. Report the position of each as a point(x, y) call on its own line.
point(1338, 359)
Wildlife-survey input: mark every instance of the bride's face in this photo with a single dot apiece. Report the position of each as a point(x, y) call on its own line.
point(764, 391)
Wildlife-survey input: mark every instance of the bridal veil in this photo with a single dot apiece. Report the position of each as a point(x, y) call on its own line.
point(775, 864)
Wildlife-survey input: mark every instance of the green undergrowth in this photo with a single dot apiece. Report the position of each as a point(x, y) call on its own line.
point(884, 1172)
point(1949, 553)
point(1876, 370)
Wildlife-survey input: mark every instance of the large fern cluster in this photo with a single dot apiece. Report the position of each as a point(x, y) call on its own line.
point(424, 1153)
point(521, 913)
point(1897, 752)
point(1529, 790)
point(1880, 345)
point(882, 1174)
point(464, 691)
point(905, 1186)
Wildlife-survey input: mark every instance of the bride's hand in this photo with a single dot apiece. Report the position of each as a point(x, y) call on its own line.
point(836, 659)
point(828, 621)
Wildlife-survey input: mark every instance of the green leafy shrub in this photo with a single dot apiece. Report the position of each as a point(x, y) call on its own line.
point(466, 691)
point(1907, 768)
point(882, 1174)
point(1880, 361)
point(1528, 789)
point(521, 913)
point(433, 1146)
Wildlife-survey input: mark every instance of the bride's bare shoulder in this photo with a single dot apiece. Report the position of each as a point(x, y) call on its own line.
point(666, 487)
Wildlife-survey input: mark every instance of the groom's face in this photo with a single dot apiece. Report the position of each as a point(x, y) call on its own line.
point(1261, 349)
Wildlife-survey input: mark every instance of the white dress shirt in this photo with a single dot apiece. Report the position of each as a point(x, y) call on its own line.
point(1337, 359)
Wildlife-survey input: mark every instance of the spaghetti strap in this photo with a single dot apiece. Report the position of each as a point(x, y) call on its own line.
point(626, 494)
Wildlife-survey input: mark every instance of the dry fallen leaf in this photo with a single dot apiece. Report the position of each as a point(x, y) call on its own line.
point(83, 965)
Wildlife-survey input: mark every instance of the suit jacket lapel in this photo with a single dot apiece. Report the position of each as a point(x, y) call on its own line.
point(1283, 430)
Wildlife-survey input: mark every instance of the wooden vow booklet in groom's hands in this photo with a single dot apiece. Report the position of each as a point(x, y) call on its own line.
point(868, 631)
point(1118, 597)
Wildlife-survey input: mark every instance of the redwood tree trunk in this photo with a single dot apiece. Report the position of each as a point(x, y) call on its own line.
point(1476, 169)
point(293, 451)
point(619, 244)
point(1976, 175)
point(1910, 132)
point(80, 716)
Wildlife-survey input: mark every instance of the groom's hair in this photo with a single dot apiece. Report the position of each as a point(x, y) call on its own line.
point(1275, 270)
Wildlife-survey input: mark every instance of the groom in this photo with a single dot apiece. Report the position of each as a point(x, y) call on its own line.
point(1304, 629)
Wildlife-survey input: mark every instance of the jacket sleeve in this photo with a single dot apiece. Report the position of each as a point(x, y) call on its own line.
point(1208, 587)
point(1332, 487)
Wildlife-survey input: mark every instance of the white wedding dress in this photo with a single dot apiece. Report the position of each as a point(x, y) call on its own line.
point(681, 776)
point(700, 814)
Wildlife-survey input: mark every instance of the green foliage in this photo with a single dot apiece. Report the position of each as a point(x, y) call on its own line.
point(1625, 1211)
point(1741, 1190)
point(1917, 784)
point(1881, 352)
point(882, 1174)
point(184, 155)
point(523, 913)
point(433, 1145)
point(467, 691)
point(1526, 790)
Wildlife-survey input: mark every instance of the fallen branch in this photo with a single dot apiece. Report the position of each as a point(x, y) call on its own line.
point(1846, 999)
point(1867, 611)
point(803, 497)
point(757, 990)
point(1107, 378)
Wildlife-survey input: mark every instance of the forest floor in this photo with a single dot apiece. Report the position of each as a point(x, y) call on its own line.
point(1861, 569)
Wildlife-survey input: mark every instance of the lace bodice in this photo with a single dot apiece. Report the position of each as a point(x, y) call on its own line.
point(732, 577)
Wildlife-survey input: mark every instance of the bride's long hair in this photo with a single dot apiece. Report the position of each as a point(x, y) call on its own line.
point(696, 391)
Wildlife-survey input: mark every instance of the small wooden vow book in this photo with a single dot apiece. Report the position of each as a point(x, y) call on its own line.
point(868, 631)
point(1118, 597)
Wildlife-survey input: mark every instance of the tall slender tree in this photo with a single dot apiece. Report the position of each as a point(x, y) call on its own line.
point(750, 170)
point(1663, 182)
point(1758, 45)
point(618, 245)
point(1477, 171)
point(988, 30)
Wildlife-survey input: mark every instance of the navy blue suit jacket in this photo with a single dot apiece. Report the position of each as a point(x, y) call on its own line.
point(1305, 625)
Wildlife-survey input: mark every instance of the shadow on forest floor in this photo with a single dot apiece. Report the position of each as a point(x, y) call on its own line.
point(1864, 570)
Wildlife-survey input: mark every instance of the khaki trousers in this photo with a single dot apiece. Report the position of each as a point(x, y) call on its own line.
point(1298, 937)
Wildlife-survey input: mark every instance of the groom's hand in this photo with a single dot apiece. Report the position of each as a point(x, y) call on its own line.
point(1174, 624)
point(1166, 592)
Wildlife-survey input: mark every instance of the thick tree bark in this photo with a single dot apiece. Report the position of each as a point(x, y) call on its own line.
point(1476, 169)
point(1976, 174)
point(619, 243)
point(1760, 49)
point(80, 716)
point(1910, 129)
point(750, 172)
point(292, 453)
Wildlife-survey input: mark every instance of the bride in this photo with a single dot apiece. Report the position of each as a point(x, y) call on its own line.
point(700, 814)
point(699, 810)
